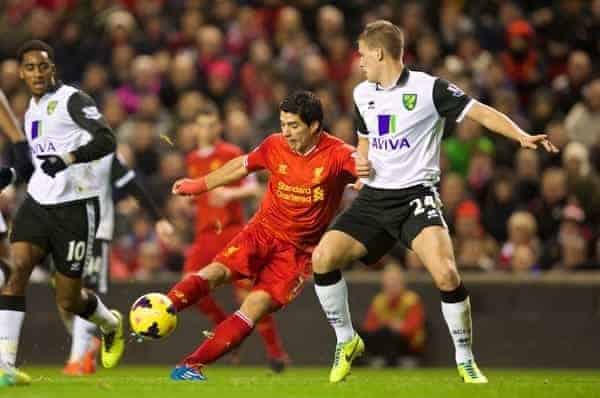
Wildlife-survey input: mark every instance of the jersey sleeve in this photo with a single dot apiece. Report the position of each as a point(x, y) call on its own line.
point(83, 111)
point(258, 158)
point(450, 101)
point(359, 123)
point(120, 174)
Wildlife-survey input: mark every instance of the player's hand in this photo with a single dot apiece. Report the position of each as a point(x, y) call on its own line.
point(164, 230)
point(53, 164)
point(363, 167)
point(356, 186)
point(7, 177)
point(532, 142)
point(189, 186)
point(220, 197)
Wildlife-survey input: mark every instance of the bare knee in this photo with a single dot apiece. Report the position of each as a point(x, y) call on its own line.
point(256, 305)
point(446, 276)
point(216, 274)
point(324, 260)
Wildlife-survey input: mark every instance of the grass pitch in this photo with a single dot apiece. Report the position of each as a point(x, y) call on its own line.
point(246, 382)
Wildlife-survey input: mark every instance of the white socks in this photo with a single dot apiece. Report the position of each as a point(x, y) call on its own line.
point(334, 300)
point(10, 330)
point(458, 319)
point(83, 335)
point(103, 318)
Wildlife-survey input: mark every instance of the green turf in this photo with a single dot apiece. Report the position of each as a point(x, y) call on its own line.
point(225, 382)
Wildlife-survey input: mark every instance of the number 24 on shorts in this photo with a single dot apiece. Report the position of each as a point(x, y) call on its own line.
point(421, 205)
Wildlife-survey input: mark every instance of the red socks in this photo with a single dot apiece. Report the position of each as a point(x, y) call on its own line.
point(268, 331)
point(227, 335)
point(209, 307)
point(188, 291)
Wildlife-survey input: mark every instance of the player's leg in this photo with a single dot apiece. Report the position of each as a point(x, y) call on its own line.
point(335, 251)
point(267, 329)
point(12, 308)
point(358, 233)
point(196, 286)
point(71, 243)
point(4, 252)
point(434, 248)
point(84, 343)
point(226, 336)
point(200, 255)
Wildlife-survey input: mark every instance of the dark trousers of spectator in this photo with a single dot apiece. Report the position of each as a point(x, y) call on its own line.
point(387, 344)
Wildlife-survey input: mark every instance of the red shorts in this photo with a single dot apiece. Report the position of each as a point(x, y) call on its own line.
point(273, 265)
point(206, 246)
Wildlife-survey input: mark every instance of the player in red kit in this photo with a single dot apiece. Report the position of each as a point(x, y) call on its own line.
point(309, 170)
point(219, 218)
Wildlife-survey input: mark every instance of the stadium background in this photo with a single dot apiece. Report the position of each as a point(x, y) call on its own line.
point(517, 217)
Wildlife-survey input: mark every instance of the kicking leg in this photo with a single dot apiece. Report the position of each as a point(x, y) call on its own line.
point(226, 336)
point(434, 248)
point(194, 287)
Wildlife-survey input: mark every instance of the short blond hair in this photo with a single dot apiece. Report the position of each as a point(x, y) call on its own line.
point(386, 35)
point(523, 219)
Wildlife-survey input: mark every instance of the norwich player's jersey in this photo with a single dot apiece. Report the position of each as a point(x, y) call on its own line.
point(60, 122)
point(404, 125)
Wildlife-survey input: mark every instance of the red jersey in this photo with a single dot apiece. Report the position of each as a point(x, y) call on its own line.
point(304, 190)
point(209, 217)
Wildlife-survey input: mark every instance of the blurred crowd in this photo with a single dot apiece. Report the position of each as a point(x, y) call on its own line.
point(152, 64)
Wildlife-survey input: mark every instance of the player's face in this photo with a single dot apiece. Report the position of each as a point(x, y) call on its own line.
point(298, 134)
point(208, 128)
point(370, 61)
point(37, 70)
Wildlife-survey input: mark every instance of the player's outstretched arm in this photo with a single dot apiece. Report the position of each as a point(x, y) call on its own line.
point(501, 124)
point(8, 121)
point(231, 171)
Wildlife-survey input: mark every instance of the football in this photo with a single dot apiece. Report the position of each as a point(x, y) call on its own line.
point(153, 316)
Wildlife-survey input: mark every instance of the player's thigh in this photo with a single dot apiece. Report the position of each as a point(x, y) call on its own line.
point(433, 246)
point(72, 237)
point(358, 233)
point(4, 245)
point(335, 250)
point(96, 270)
point(216, 274)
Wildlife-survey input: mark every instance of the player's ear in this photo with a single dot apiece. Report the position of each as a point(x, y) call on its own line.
point(314, 127)
point(380, 54)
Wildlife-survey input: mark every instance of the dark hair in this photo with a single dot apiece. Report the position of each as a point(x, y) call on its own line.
point(35, 45)
point(304, 104)
point(209, 109)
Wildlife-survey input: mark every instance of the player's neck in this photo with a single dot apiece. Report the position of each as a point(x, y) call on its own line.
point(390, 74)
point(311, 145)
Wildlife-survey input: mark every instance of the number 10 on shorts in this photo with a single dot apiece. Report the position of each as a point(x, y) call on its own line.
point(76, 250)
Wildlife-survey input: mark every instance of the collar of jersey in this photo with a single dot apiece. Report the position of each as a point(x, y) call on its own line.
point(402, 79)
point(312, 148)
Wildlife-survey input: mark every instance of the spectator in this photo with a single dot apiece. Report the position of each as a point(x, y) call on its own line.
point(500, 203)
point(583, 182)
point(143, 79)
point(527, 170)
point(474, 248)
point(394, 326)
point(549, 206)
point(521, 250)
point(583, 120)
point(568, 86)
point(460, 148)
